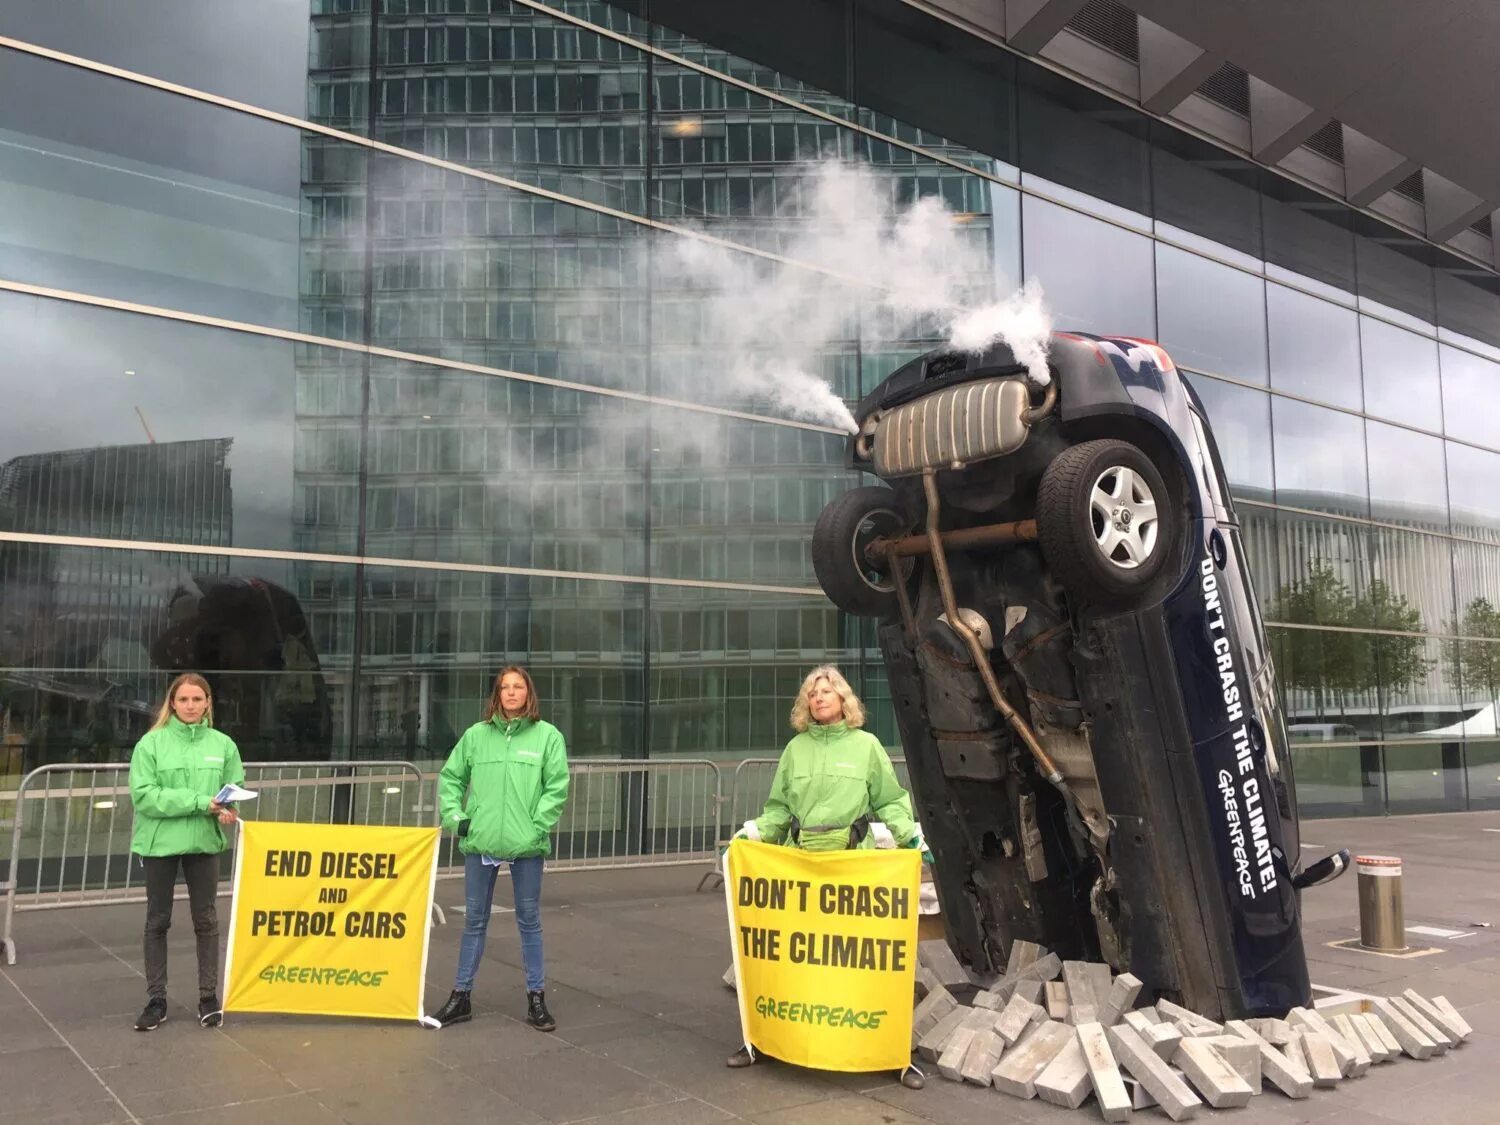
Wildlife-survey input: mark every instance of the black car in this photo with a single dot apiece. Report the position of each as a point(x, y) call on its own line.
point(1079, 670)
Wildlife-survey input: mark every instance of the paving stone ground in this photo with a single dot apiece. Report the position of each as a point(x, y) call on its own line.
point(634, 965)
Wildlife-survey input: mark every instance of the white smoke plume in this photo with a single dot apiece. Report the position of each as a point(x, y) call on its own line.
point(881, 274)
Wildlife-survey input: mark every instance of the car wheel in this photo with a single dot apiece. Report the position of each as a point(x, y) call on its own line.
point(848, 525)
point(1105, 520)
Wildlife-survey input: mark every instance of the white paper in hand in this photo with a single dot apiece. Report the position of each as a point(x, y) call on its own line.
point(232, 793)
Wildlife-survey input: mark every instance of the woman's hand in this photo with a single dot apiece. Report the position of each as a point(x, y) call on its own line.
point(226, 815)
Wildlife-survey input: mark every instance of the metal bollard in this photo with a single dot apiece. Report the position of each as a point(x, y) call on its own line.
point(1382, 920)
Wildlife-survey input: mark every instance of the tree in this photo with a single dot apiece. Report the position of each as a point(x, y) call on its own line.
point(1475, 660)
point(1332, 665)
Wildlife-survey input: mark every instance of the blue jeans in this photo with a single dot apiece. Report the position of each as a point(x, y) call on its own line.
point(479, 894)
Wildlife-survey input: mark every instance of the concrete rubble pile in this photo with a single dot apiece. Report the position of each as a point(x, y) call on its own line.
point(1068, 1031)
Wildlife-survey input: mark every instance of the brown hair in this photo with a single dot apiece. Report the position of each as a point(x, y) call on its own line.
point(164, 716)
point(854, 710)
point(533, 705)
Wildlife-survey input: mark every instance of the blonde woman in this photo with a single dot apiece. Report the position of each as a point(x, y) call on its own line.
point(834, 788)
point(177, 769)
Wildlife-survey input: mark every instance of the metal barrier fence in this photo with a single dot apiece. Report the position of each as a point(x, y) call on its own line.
point(70, 835)
point(749, 788)
point(630, 812)
point(71, 825)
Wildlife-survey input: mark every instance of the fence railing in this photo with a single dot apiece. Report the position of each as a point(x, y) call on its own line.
point(71, 825)
point(630, 812)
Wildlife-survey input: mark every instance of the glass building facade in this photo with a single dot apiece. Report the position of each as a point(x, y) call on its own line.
point(341, 367)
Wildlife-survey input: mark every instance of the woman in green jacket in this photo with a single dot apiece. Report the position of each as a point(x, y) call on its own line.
point(502, 790)
point(835, 788)
point(177, 769)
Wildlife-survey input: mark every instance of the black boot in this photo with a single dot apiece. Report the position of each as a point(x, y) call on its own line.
point(456, 1010)
point(536, 1012)
point(740, 1058)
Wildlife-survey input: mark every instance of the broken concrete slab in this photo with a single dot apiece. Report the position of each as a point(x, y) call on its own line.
point(1309, 1020)
point(951, 1061)
point(1219, 1084)
point(1121, 998)
point(1286, 1073)
point(1044, 969)
point(1176, 1012)
point(926, 980)
point(1442, 1004)
point(1373, 1044)
point(934, 1006)
point(1145, 1066)
point(990, 999)
point(1080, 982)
point(1018, 1015)
point(1104, 1072)
point(1022, 954)
point(1441, 1038)
point(1243, 1057)
point(1032, 990)
point(1138, 1020)
point(1057, 1000)
point(1023, 1063)
point(984, 1054)
point(930, 1046)
point(1140, 1097)
point(1164, 1038)
point(939, 958)
point(1082, 1013)
point(1317, 1053)
point(1383, 1033)
point(1436, 1016)
point(1409, 1035)
point(1362, 1057)
point(1066, 1081)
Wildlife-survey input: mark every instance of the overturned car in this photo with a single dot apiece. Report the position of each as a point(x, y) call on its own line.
point(1078, 669)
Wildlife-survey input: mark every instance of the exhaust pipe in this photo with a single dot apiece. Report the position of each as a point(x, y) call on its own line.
point(976, 650)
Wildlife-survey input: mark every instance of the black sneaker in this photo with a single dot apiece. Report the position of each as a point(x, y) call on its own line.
point(209, 1012)
point(456, 1010)
point(153, 1016)
point(536, 1012)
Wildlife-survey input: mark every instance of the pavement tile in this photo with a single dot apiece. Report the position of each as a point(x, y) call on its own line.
point(549, 1086)
point(838, 1111)
point(446, 1096)
point(294, 1109)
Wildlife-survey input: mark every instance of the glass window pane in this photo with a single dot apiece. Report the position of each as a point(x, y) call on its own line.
point(1408, 479)
point(1212, 317)
point(1425, 778)
point(152, 429)
point(92, 637)
point(204, 46)
point(1320, 458)
point(1200, 188)
point(1335, 780)
point(1314, 347)
point(1401, 375)
point(919, 70)
point(1076, 137)
point(1241, 422)
point(1473, 492)
point(1308, 236)
point(817, 54)
point(1331, 691)
point(1095, 276)
point(1469, 302)
point(124, 191)
point(1394, 277)
point(1483, 759)
point(1470, 389)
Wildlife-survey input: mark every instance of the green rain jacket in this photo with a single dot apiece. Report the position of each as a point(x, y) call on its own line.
point(175, 772)
point(828, 777)
point(515, 775)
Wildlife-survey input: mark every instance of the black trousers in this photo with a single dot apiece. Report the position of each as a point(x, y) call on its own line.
point(201, 873)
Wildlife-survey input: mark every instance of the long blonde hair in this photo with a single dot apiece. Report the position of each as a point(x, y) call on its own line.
point(164, 716)
point(533, 704)
point(854, 710)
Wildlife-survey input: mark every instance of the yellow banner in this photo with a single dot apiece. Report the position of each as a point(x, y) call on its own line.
point(330, 919)
point(825, 951)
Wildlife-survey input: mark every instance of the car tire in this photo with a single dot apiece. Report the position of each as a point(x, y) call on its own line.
point(844, 528)
point(1106, 521)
